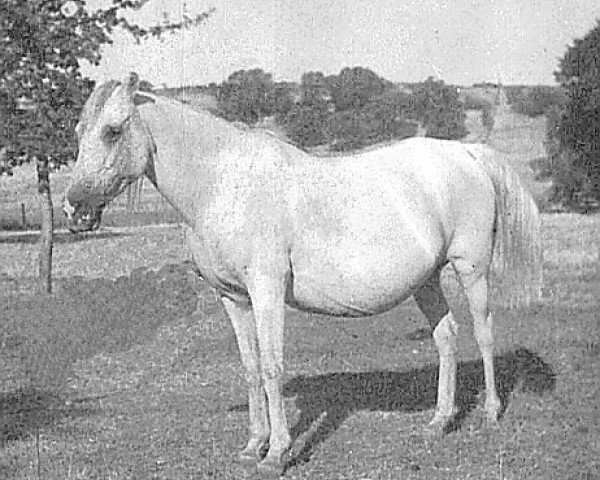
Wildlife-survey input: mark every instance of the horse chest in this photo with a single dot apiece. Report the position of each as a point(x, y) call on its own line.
point(218, 260)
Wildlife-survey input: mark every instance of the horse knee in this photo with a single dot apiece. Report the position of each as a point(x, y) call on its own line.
point(483, 330)
point(253, 380)
point(272, 372)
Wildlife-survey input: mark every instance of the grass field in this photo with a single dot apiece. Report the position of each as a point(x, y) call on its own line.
point(130, 369)
point(114, 376)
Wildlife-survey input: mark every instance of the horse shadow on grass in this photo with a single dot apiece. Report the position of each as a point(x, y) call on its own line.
point(333, 397)
point(28, 412)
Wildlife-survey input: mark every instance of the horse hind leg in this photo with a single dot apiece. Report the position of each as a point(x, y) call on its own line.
point(474, 277)
point(432, 302)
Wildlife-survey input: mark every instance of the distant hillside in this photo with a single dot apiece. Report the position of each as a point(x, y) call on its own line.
point(474, 96)
point(198, 96)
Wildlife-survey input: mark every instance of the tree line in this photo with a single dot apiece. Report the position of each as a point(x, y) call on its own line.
point(350, 110)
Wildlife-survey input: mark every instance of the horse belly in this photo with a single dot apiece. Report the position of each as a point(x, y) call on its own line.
point(357, 282)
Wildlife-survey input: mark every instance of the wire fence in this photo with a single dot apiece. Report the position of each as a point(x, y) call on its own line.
point(20, 204)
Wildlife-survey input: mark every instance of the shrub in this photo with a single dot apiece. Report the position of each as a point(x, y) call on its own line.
point(487, 117)
point(439, 109)
point(377, 122)
point(355, 87)
point(538, 100)
point(306, 124)
point(245, 96)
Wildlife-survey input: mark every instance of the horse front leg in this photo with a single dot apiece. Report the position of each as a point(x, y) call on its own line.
point(244, 326)
point(267, 293)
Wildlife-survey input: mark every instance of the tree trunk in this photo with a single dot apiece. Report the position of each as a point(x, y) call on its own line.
point(47, 226)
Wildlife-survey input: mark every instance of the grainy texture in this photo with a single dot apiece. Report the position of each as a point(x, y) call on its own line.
point(121, 380)
point(108, 253)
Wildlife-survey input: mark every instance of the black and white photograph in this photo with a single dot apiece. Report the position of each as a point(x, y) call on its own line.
point(318, 239)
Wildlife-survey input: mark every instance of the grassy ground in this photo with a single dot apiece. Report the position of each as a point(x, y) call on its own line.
point(115, 377)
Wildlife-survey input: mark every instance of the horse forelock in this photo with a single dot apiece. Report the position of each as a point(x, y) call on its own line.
point(95, 104)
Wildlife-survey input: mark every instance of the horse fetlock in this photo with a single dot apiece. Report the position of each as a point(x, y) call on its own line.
point(444, 414)
point(493, 408)
point(270, 469)
point(441, 421)
point(256, 450)
point(274, 463)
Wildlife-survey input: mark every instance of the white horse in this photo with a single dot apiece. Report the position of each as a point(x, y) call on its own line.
point(347, 236)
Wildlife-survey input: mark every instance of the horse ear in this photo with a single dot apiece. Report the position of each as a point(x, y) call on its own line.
point(131, 83)
point(79, 129)
point(141, 98)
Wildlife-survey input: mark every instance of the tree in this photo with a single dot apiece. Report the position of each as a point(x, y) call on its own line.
point(384, 118)
point(245, 96)
point(306, 124)
point(575, 134)
point(438, 107)
point(41, 86)
point(355, 87)
point(538, 100)
point(314, 88)
point(281, 100)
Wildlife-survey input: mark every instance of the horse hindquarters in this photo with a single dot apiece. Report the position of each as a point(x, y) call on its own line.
point(470, 253)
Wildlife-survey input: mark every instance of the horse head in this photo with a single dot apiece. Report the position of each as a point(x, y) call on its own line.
point(114, 150)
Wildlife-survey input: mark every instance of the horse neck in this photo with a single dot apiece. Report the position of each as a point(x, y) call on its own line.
point(185, 163)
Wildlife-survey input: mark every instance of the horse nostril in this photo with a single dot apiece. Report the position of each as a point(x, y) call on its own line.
point(68, 209)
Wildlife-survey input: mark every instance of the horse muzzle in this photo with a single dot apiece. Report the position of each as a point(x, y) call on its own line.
point(82, 217)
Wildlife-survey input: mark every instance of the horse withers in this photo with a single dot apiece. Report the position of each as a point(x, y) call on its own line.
point(348, 236)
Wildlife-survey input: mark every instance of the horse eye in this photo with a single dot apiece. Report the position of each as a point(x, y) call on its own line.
point(112, 132)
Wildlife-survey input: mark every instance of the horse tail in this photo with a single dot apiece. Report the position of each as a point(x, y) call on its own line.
point(517, 243)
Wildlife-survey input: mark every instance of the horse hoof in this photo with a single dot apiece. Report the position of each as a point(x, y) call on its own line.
point(253, 454)
point(268, 469)
point(248, 460)
point(434, 430)
point(493, 423)
point(493, 412)
point(438, 426)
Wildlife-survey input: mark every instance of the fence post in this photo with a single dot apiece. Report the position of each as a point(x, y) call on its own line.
point(23, 217)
